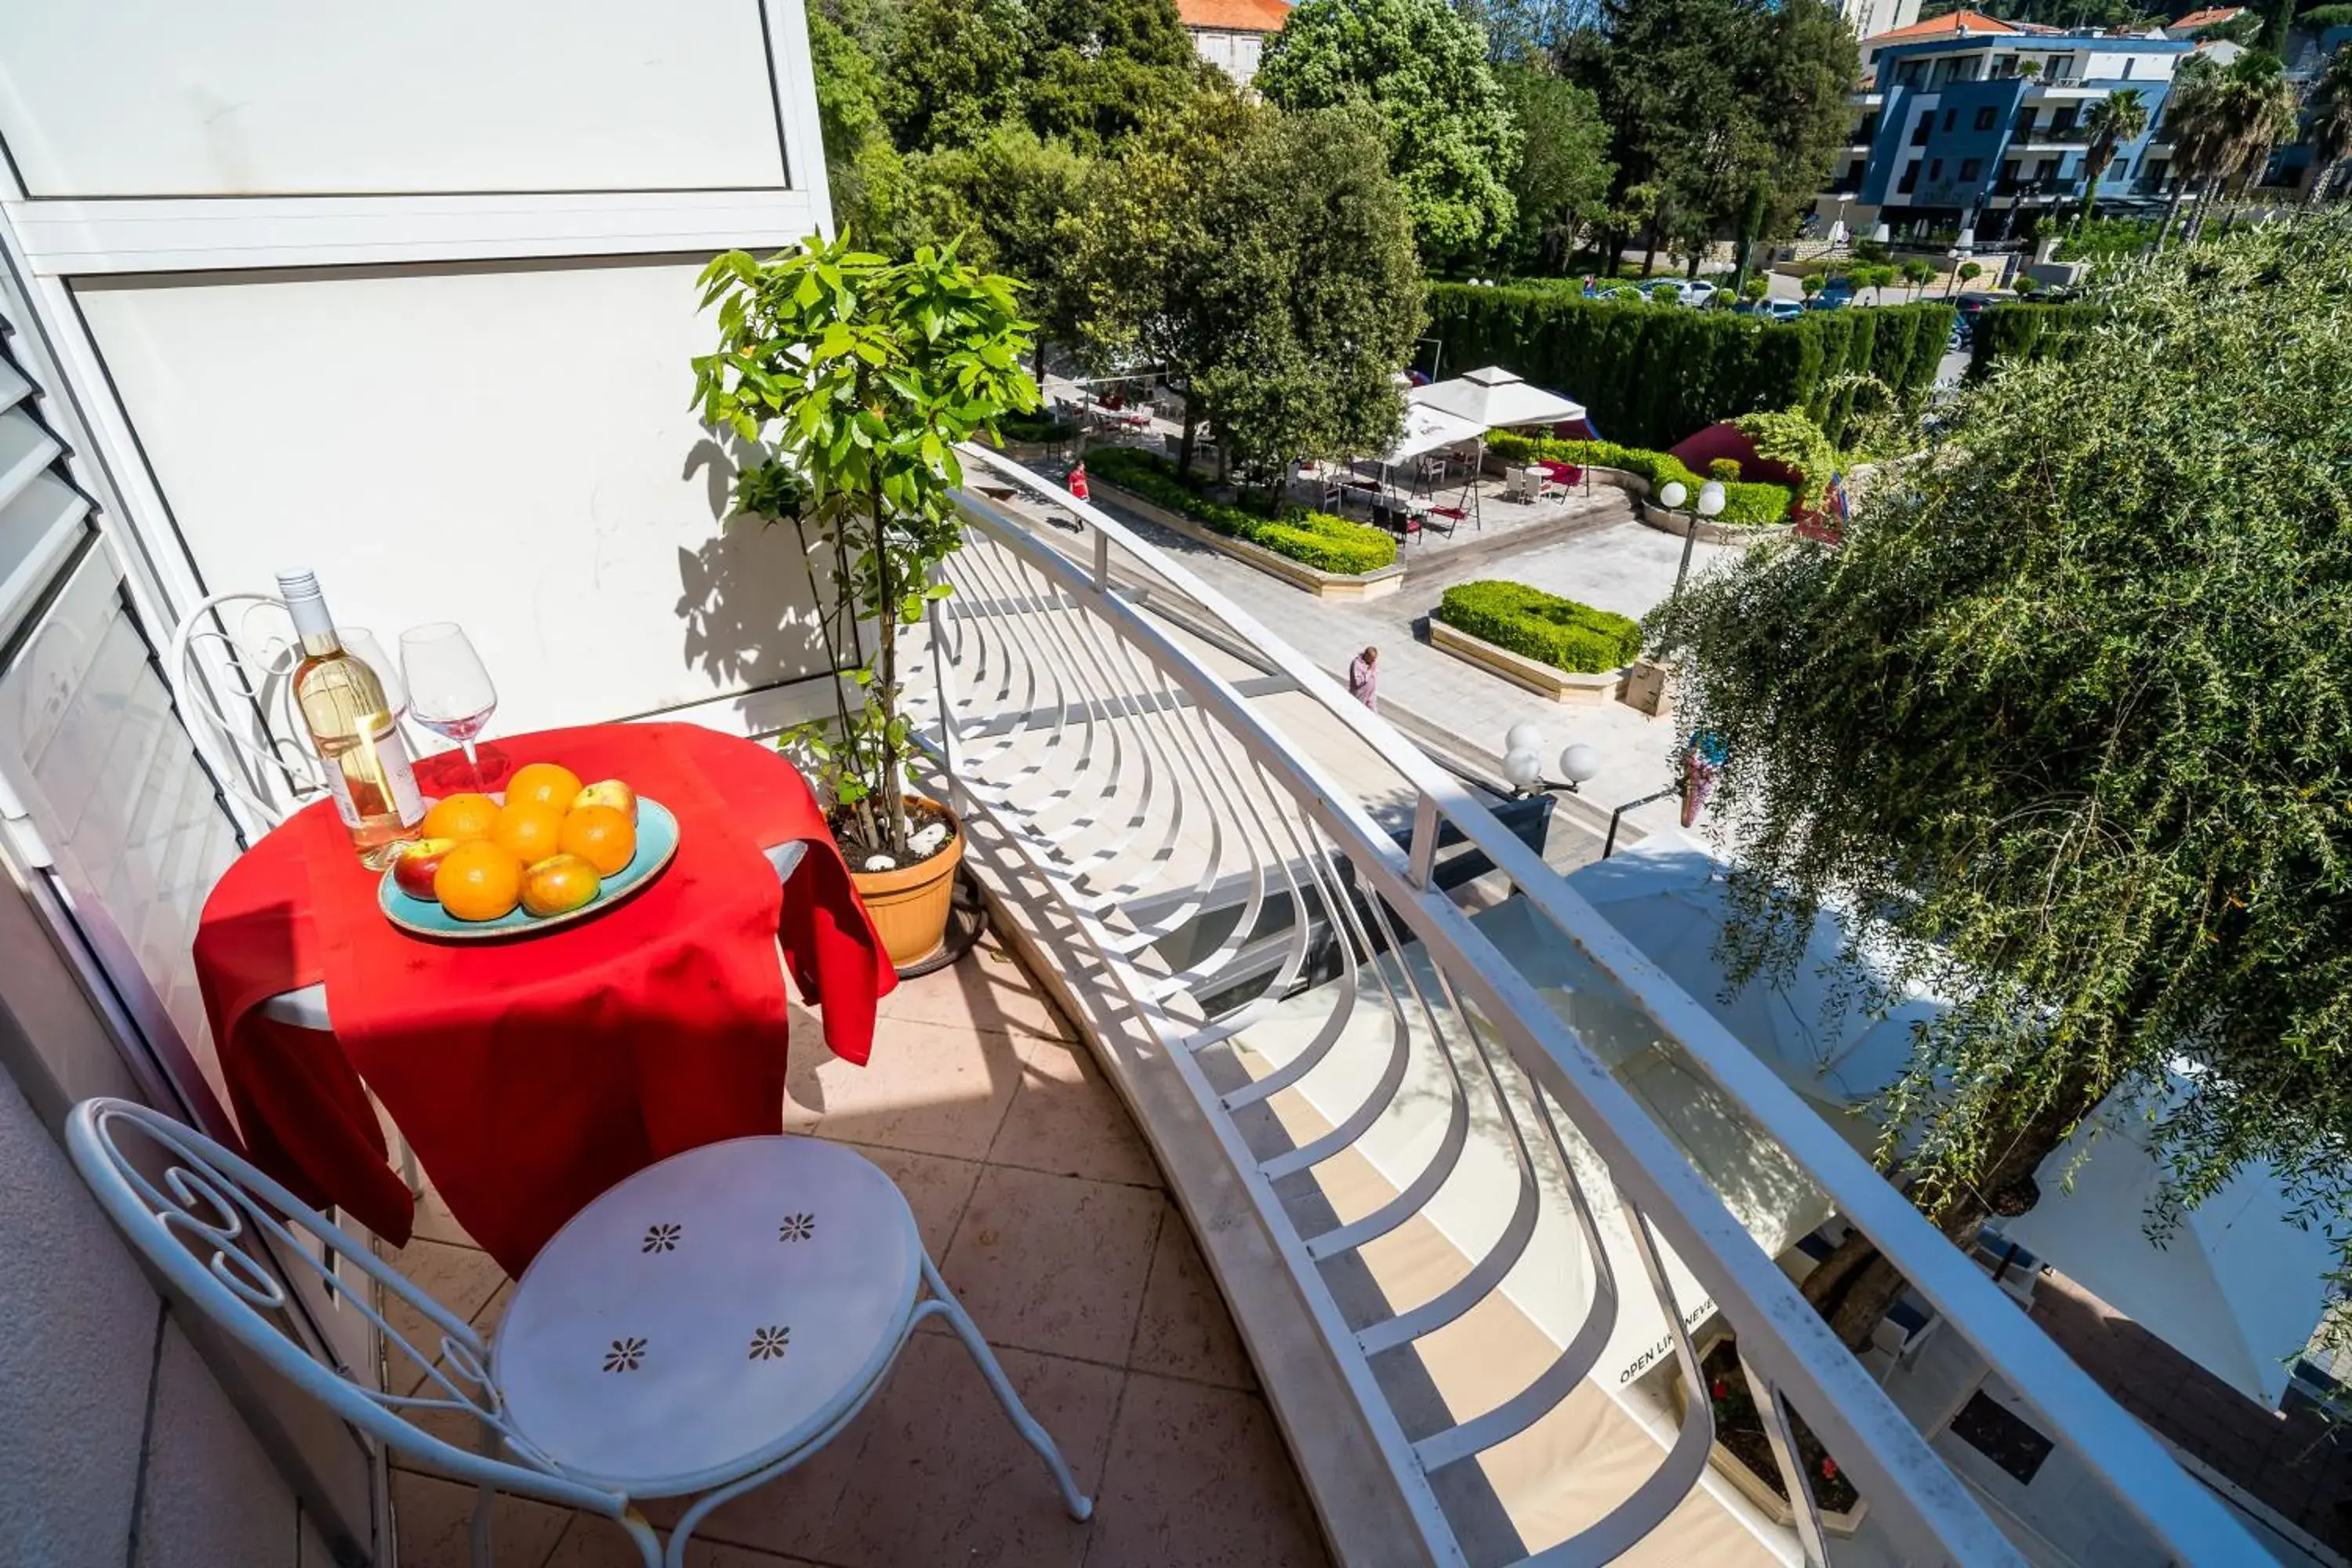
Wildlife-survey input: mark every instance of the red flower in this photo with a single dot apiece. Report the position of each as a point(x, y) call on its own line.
point(1829, 1469)
point(1718, 1388)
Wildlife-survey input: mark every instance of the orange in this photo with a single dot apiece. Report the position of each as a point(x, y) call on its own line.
point(479, 880)
point(558, 885)
point(601, 834)
point(544, 783)
point(530, 830)
point(460, 817)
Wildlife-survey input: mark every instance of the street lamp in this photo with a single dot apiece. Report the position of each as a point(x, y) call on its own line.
point(1523, 761)
point(1671, 495)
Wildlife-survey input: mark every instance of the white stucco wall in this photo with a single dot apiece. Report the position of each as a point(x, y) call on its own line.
point(76, 1367)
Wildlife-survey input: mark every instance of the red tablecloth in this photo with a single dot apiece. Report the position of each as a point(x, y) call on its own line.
point(531, 1074)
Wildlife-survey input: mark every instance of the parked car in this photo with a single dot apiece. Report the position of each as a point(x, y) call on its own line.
point(1783, 310)
point(1835, 295)
point(1696, 290)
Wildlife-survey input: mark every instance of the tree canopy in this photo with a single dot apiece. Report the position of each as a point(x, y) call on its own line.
point(2070, 713)
point(1265, 259)
point(1710, 102)
point(1560, 182)
point(1451, 141)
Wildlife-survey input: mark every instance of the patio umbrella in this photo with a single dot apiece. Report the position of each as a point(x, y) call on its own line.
point(2238, 1287)
point(1495, 399)
point(1668, 896)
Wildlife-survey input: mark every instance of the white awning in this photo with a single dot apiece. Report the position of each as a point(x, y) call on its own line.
point(2237, 1287)
point(1494, 398)
point(1427, 429)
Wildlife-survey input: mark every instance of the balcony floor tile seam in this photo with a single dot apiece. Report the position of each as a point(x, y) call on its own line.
point(1152, 1267)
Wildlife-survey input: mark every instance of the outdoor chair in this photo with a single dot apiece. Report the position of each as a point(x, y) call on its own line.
point(231, 673)
point(1444, 519)
point(698, 1331)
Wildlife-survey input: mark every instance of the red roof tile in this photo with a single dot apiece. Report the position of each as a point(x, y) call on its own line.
point(1974, 21)
point(1233, 16)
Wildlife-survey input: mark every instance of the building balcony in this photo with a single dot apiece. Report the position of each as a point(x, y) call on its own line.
point(1335, 1184)
point(1052, 1221)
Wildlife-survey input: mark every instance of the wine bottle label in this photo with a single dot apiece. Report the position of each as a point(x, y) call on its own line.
point(400, 776)
point(394, 769)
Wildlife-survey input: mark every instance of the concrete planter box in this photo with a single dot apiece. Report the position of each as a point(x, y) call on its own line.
point(1322, 584)
point(1544, 680)
point(1673, 522)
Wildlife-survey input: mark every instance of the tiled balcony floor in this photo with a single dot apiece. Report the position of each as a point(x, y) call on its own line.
point(1048, 1218)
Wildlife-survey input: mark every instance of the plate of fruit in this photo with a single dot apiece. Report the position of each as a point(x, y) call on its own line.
point(549, 851)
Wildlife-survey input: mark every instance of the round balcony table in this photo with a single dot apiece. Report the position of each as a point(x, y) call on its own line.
point(530, 1074)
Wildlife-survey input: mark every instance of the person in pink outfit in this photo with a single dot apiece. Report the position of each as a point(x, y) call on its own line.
point(1364, 678)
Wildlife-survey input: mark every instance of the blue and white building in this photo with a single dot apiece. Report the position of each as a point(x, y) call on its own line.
point(1967, 122)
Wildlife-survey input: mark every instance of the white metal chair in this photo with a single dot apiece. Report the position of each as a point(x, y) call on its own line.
point(698, 1331)
point(231, 669)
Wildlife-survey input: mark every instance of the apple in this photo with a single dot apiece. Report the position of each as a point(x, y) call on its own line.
point(608, 792)
point(558, 885)
point(412, 873)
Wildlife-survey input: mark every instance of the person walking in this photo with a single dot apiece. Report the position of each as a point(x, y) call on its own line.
point(1364, 678)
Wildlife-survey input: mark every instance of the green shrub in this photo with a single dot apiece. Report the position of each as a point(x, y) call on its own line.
point(1651, 377)
point(1542, 627)
point(2106, 239)
point(1313, 539)
point(1792, 440)
point(2029, 333)
point(1035, 428)
point(1745, 505)
point(1724, 468)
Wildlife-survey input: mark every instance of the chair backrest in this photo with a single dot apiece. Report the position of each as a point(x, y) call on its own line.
point(205, 1219)
point(231, 669)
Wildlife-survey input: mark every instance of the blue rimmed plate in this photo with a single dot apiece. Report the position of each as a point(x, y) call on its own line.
point(656, 843)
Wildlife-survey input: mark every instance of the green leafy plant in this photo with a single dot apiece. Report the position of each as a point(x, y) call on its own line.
point(1789, 438)
point(1918, 273)
point(1651, 377)
point(1968, 272)
point(852, 377)
point(1724, 468)
point(1746, 504)
point(1313, 539)
point(1665, 293)
point(1810, 284)
point(1756, 288)
point(1543, 626)
point(1871, 251)
point(2027, 285)
point(2070, 721)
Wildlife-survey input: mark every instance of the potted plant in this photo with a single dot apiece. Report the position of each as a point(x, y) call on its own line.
point(1743, 1453)
point(851, 377)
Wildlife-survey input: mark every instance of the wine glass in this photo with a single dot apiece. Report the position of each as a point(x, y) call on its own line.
point(449, 693)
point(360, 644)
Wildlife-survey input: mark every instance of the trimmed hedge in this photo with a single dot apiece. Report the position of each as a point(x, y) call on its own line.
point(1652, 376)
point(1314, 538)
point(2029, 332)
point(1542, 627)
point(1747, 503)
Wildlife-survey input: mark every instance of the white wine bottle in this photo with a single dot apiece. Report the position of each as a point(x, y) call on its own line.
point(352, 726)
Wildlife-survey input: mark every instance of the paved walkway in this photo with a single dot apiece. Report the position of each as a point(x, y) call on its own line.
point(1622, 566)
point(1046, 1212)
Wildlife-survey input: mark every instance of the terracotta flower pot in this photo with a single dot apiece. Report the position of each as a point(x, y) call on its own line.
point(909, 905)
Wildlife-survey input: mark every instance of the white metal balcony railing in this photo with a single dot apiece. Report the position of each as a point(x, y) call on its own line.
point(1265, 924)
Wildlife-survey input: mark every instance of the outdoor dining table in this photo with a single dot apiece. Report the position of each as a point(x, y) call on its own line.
point(530, 1073)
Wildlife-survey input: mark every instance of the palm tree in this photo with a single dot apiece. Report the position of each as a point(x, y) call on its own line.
point(2258, 112)
point(2331, 121)
point(2223, 124)
point(2191, 124)
point(2115, 121)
